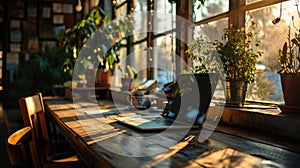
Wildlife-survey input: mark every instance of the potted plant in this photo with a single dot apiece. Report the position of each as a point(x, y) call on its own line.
point(239, 53)
point(74, 39)
point(204, 68)
point(42, 71)
point(128, 75)
point(289, 58)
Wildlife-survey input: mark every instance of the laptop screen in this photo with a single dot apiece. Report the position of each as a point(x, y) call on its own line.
point(190, 97)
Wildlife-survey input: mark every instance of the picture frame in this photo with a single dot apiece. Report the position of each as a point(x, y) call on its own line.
point(15, 47)
point(67, 8)
point(33, 44)
point(15, 36)
point(58, 19)
point(45, 21)
point(57, 8)
point(15, 24)
point(12, 61)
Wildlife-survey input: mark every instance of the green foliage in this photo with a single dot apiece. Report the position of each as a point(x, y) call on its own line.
point(129, 71)
point(42, 71)
point(72, 40)
point(203, 55)
point(239, 52)
point(76, 36)
point(289, 56)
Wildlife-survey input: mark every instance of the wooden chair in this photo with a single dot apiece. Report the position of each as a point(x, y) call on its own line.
point(16, 144)
point(33, 114)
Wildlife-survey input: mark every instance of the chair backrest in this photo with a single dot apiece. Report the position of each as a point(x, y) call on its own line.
point(16, 144)
point(33, 114)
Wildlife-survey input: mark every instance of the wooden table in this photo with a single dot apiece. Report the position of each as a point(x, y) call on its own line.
point(87, 92)
point(103, 142)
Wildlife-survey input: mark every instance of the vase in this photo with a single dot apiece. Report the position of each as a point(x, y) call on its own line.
point(235, 93)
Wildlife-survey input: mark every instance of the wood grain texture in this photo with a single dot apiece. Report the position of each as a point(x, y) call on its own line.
point(102, 142)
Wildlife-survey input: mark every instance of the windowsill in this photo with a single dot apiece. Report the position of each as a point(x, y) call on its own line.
point(260, 118)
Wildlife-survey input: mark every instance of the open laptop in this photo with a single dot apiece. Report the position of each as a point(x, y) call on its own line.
point(182, 110)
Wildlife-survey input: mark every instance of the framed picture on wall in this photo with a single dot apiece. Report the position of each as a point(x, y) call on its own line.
point(15, 47)
point(16, 36)
point(33, 44)
point(58, 19)
point(57, 8)
point(68, 8)
point(45, 21)
point(15, 24)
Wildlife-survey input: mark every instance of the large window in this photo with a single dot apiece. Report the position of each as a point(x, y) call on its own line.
point(211, 21)
point(153, 40)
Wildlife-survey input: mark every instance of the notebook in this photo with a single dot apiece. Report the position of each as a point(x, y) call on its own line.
point(182, 110)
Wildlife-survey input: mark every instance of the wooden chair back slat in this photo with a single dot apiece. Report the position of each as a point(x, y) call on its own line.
point(33, 115)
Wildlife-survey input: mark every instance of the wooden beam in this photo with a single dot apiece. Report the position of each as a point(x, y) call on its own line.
point(213, 18)
point(255, 5)
point(260, 4)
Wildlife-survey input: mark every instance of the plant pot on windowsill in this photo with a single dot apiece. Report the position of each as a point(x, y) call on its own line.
point(238, 56)
point(290, 88)
point(235, 93)
point(289, 58)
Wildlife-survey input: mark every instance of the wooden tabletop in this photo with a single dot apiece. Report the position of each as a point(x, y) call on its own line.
point(102, 142)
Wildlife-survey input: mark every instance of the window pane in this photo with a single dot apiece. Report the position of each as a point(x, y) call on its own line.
point(267, 86)
point(120, 71)
point(122, 11)
point(165, 18)
point(212, 30)
point(138, 60)
point(140, 6)
point(210, 8)
point(140, 21)
point(163, 61)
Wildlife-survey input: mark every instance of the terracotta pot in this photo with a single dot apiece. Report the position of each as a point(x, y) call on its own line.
point(290, 87)
point(235, 93)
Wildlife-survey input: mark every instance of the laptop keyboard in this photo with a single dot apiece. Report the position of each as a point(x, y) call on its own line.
point(160, 120)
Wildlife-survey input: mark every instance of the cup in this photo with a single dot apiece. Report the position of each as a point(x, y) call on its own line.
point(138, 100)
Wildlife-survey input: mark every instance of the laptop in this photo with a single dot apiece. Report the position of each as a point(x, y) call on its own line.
point(183, 109)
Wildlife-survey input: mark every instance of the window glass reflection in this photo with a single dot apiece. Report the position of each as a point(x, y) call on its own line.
point(211, 8)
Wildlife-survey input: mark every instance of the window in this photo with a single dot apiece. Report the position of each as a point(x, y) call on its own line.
point(211, 19)
point(153, 40)
point(210, 9)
